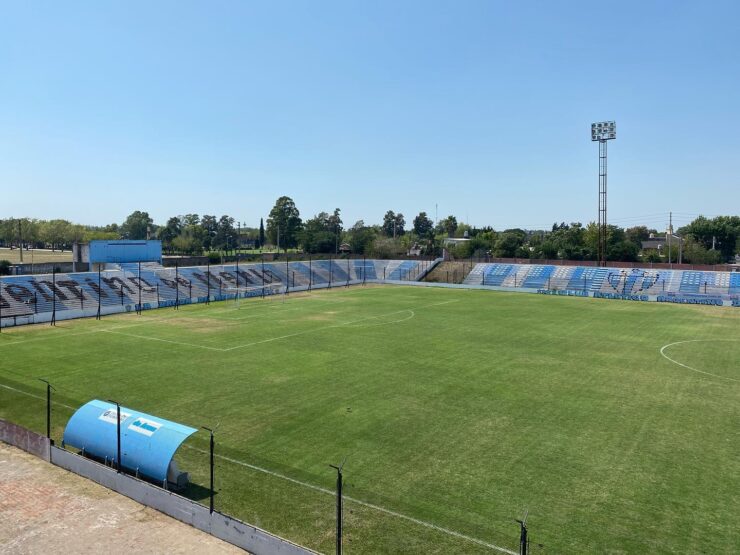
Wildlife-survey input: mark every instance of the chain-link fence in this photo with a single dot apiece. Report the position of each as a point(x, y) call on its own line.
point(287, 501)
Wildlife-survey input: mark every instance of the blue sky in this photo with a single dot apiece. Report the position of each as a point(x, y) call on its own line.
point(481, 108)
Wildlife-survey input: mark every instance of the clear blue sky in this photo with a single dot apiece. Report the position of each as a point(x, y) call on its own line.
point(483, 108)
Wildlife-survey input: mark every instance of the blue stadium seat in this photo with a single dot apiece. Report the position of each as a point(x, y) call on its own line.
point(495, 274)
point(538, 276)
point(734, 283)
point(691, 281)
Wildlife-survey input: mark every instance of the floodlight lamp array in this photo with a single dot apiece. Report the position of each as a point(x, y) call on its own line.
point(603, 131)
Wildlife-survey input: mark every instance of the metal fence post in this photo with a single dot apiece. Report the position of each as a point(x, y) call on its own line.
point(339, 506)
point(100, 296)
point(54, 296)
point(139, 310)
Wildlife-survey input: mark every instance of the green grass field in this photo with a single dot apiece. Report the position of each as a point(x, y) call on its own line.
point(36, 256)
point(459, 409)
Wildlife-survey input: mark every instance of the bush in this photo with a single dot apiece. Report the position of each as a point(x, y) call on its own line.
point(214, 258)
point(4, 267)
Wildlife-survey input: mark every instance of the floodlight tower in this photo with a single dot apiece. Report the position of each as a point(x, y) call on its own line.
point(602, 132)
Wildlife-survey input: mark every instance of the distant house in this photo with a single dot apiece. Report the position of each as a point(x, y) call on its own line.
point(345, 248)
point(660, 243)
point(454, 241)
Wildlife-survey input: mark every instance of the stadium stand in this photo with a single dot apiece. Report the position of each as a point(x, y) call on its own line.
point(635, 281)
point(691, 281)
point(538, 276)
point(734, 283)
point(33, 298)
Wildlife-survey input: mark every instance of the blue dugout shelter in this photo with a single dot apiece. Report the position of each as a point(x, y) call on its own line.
point(148, 442)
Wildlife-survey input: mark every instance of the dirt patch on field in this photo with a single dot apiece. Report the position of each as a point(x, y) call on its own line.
point(44, 509)
point(201, 325)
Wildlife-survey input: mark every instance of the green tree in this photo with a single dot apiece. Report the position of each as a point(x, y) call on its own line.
point(54, 232)
point(447, 226)
point(137, 225)
point(262, 234)
point(720, 233)
point(209, 228)
point(638, 234)
point(170, 231)
point(225, 238)
point(361, 237)
point(508, 244)
point(695, 253)
point(393, 224)
point(286, 218)
point(423, 226)
point(387, 247)
point(624, 251)
point(318, 234)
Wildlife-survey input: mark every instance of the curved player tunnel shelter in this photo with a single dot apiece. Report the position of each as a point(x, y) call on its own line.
point(148, 443)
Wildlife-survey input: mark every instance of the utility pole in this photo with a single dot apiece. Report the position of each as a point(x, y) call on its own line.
point(20, 238)
point(670, 233)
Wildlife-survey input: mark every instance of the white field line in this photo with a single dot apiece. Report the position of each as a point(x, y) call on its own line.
point(272, 304)
point(360, 502)
point(35, 396)
point(411, 315)
point(318, 488)
point(269, 340)
point(252, 316)
point(664, 347)
point(165, 340)
point(49, 337)
point(88, 332)
point(115, 329)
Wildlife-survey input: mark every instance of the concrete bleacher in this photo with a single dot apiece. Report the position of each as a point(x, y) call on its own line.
point(632, 281)
point(586, 279)
point(29, 298)
point(733, 283)
point(538, 276)
point(403, 271)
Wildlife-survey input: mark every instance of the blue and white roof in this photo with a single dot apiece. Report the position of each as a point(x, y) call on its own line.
point(148, 442)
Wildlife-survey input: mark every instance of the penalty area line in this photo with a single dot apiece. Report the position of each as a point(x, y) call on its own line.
point(163, 340)
point(361, 502)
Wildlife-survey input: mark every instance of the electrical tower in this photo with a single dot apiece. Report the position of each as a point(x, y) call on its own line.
point(602, 132)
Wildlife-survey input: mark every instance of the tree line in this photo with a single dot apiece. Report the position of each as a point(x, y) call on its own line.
point(703, 241)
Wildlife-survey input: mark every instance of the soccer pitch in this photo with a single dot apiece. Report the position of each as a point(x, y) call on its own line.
point(615, 424)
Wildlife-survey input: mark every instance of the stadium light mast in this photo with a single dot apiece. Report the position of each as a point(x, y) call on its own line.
point(602, 132)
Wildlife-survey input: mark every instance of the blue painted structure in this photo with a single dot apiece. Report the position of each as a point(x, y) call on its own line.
point(102, 252)
point(148, 442)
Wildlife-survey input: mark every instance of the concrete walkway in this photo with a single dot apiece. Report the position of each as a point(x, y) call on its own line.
point(44, 509)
